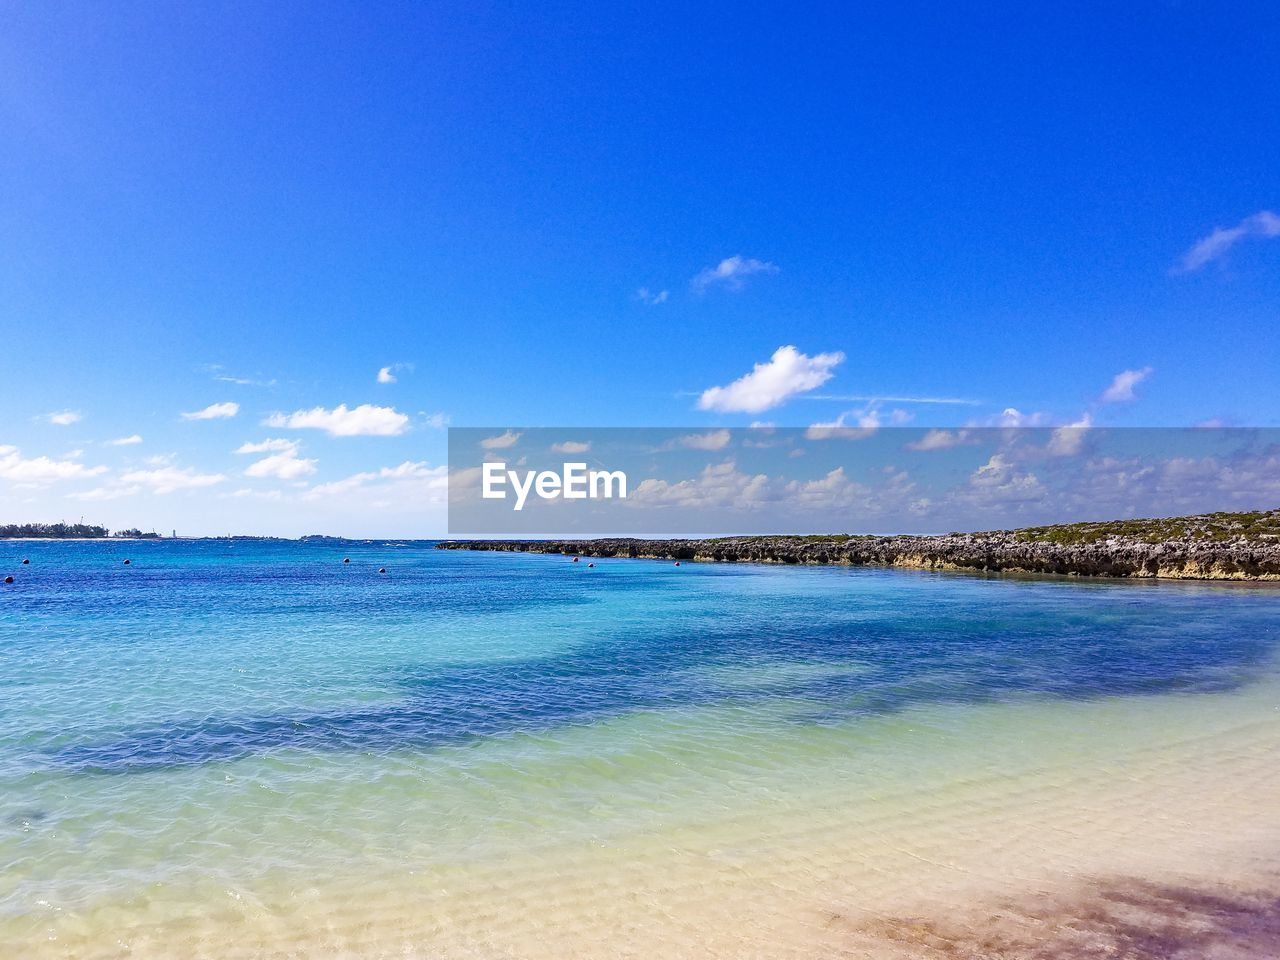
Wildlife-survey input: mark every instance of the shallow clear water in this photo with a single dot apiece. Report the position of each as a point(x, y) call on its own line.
point(241, 745)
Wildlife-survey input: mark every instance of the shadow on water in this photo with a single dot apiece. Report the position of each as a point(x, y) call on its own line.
point(848, 670)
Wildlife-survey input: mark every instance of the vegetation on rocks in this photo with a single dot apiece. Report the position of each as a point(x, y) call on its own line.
point(1217, 546)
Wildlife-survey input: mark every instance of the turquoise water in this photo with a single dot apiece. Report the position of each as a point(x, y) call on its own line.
point(241, 716)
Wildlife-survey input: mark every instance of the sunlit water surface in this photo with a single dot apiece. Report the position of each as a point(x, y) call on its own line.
point(254, 749)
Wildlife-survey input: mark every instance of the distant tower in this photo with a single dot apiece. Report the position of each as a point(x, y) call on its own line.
point(175, 535)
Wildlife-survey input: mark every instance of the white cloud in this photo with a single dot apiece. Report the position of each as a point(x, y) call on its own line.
point(787, 373)
point(717, 486)
point(833, 490)
point(868, 422)
point(731, 273)
point(125, 441)
point(365, 420)
point(388, 374)
point(1013, 417)
point(245, 381)
point(1122, 385)
point(283, 466)
point(411, 480)
point(652, 297)
point(160, 481)
point(37, 471)
point(1069, 440)
point(943, 440)
point(501, 441)
point(874, 399)
point(278, 445)
point(64, 418)
point(571, 446)
point(215, 411)
point(170, 479)
point(113, 492)
point(723, 487)
point(998, 481)
point(1261, 225)
point(713, 440)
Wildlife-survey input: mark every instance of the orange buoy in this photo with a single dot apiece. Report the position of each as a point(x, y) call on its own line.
point(8, 579)
point(382, 569)
point(127, 562)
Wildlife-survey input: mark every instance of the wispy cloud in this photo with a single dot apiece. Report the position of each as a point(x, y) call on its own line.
point(501, 441)
point(571, 446)
point(731, 273)
point(170, 479)
point(365, 420)
point(160, 481)
point(652, 297)
point(286, 465)
point(219, 373)
point(215, 411)
point(38, 471)
point(786, 374)
point(244, 381)
point(125, 441)
point(63, 418)
point(889, 398)
point(866, 423)
point(411, 481)
point(277, 445)
point(1121, 388)
point(1260, 226)
point(712, 440)
point(943, 440)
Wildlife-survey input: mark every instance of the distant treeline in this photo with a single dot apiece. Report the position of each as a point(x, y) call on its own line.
point(53, 531)
point(66, 531)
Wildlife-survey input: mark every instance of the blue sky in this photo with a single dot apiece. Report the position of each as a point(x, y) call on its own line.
point(1007, 205)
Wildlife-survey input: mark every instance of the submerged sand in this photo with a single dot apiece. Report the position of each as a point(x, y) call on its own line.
point(1137, 829)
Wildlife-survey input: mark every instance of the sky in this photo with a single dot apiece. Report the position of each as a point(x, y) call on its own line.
point(258, 258)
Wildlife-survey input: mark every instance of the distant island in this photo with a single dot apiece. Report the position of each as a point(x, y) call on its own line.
point(1215, 546)
point(68, 531)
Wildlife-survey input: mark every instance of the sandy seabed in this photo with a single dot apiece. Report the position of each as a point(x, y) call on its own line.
point(1151, 840)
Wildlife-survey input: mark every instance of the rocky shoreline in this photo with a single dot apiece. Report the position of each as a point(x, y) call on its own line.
point(1202, 550)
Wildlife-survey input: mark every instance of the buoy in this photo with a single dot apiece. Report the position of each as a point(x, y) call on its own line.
point(677, 563)
point(590, 564)
point(25, 562)
point(382, 569)
point(346, 559)
point(575, 559)
point(8, 579)
point(127, 562)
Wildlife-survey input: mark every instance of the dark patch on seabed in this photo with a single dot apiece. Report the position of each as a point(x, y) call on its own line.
point(1114, 919)
point(902, 665)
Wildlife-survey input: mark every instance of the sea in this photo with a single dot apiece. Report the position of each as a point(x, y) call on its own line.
point(257, 748)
